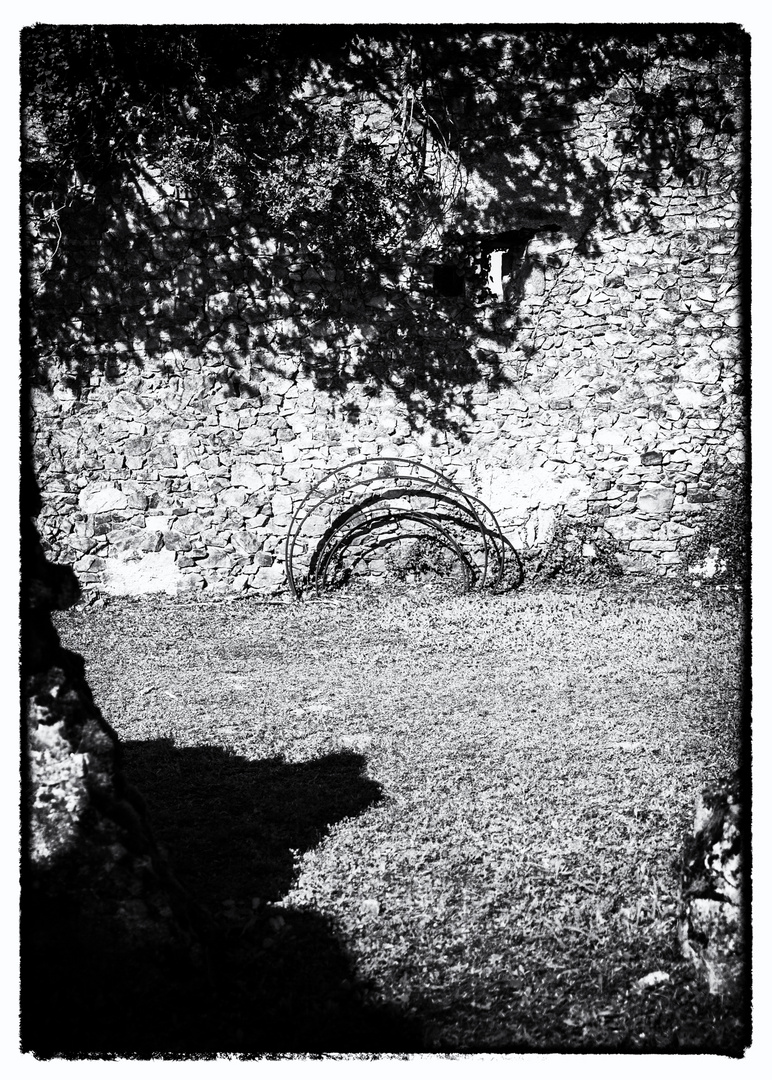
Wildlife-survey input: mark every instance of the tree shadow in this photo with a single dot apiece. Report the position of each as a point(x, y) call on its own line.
point(210, 263)
point(271, 980)
point(233, 829)
point(138, 960)
point(231, 825)
point(146, 306)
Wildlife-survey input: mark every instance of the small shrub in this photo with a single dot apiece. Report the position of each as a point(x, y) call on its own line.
point(581, 551)
point(720, 547)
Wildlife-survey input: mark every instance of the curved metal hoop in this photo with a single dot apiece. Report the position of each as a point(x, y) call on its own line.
point(368, 526)
point(409, 479)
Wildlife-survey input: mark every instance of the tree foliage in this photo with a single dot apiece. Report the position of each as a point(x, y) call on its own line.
point(364, 152)
point(267, 113)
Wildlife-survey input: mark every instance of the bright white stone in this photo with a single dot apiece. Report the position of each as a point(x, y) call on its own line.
point(99, 498)
point(246, 474)
point(154, 573)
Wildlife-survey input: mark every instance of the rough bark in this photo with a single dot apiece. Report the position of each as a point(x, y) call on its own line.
point(711, 923)
point(103, 920)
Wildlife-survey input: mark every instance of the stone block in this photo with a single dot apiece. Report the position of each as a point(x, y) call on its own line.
point(290, 451)
point(245, 543)
point(155, 572)
point(122, 538)
point(162, 457)
point(315, 526)
point(628, 527)
point(564, 452)
point(247, 475)
point(701, 371)
point(282, 505)
point(690, 398)
point(653, 545)
point(710, 918)
point(271, 577)
point(611, 436)
point(137, 446)
point(675, 530)
point(629, 481)
point(149, 540)
point(90, 563)
point(187, 456)
point(136, 494)
point(656, 500)
point(725, 346)
point(651, 457)
point(217, 558)
point(125, 406)
point(180, 437)
point(231, 498)
point(671, 558)
point(100, 498)
point(189, 524)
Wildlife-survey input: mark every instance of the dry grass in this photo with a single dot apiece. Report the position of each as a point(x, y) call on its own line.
point(466, 813)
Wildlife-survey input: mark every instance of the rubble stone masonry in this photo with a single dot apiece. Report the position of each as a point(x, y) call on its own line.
point(609, 389)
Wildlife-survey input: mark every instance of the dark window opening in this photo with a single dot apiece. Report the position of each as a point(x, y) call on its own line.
point(447, 280)
point(505, 263)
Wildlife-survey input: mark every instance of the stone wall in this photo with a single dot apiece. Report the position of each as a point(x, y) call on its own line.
point(204, 378)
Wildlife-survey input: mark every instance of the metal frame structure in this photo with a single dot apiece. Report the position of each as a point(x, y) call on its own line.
point(456, 519)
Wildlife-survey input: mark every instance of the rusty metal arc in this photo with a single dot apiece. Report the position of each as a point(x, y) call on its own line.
point(410, 463)
point(327, 553)
point(436, 485)
point(367, 511)
point(356, 463)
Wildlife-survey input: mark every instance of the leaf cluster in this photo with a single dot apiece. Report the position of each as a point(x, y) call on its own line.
point(268, 115)
point(576, 552)
point(419, 558)
point(221, 191)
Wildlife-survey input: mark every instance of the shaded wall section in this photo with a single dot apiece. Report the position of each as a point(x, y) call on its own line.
point(194, 376)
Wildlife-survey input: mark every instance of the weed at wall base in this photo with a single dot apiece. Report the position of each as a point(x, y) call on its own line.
point(720, 548)
point(576, 551)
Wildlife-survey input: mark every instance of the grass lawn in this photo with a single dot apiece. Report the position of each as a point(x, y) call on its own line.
point(431, 822)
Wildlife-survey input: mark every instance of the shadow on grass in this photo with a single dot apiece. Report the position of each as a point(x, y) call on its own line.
point(231, 825)
point(279, 981)
point(269, 980)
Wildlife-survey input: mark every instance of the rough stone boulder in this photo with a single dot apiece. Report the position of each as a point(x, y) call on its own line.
point(711, 919)
point(103, 921)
